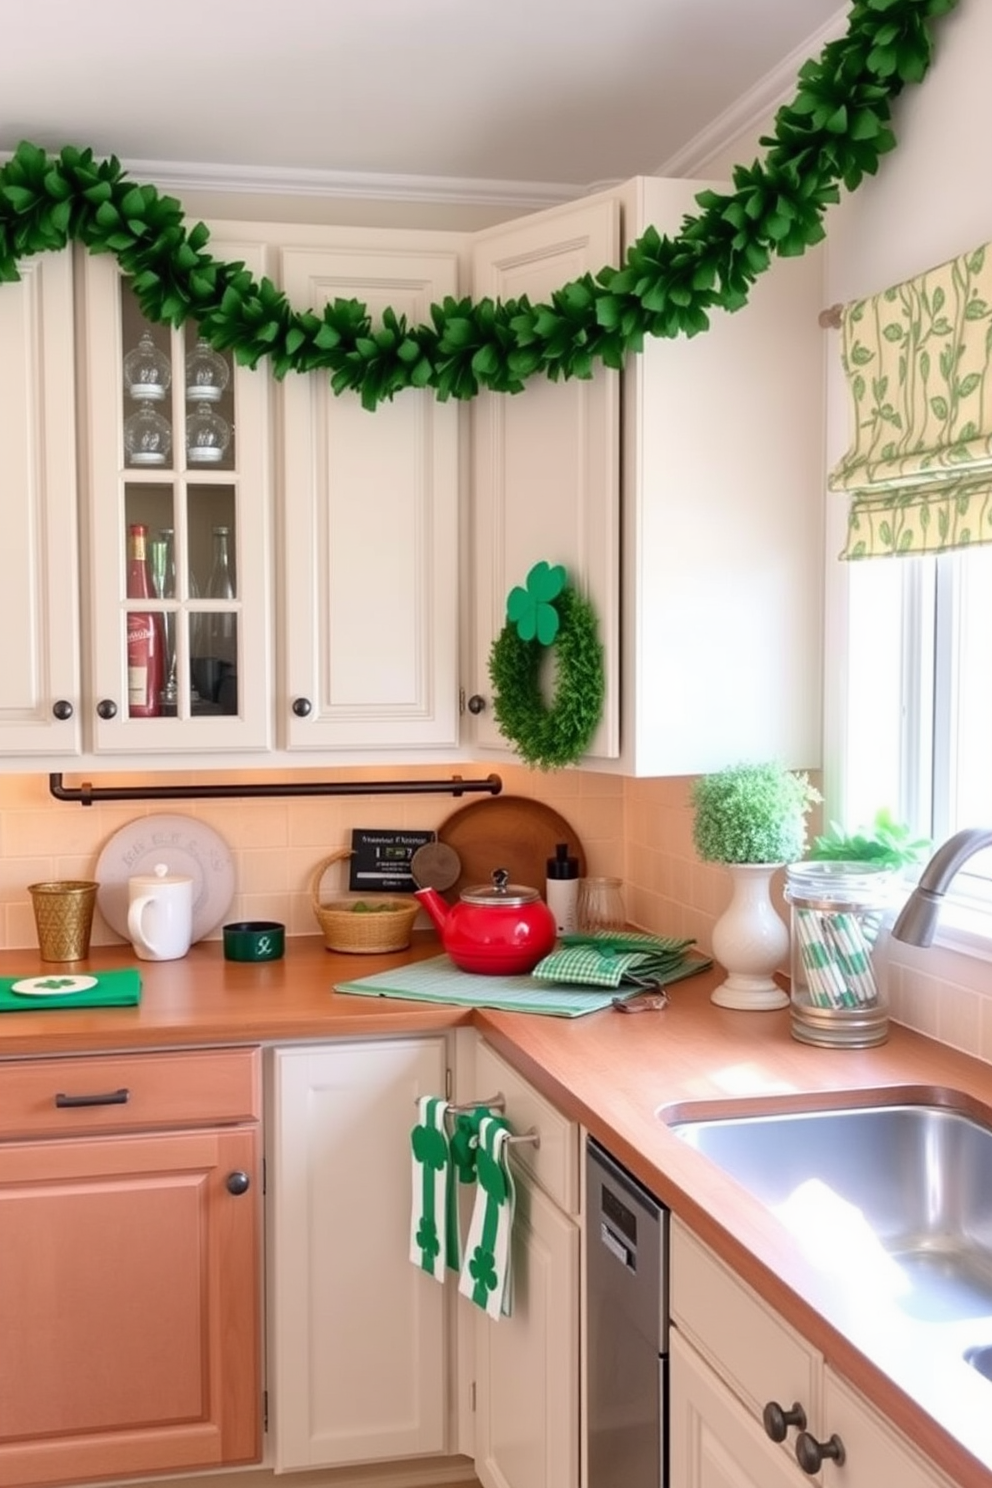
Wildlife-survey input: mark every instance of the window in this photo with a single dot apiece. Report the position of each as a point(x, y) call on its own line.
point(918, 732)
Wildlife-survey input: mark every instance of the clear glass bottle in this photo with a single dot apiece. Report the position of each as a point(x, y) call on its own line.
point(840, 919)
point(215, 676)
point(162, 567)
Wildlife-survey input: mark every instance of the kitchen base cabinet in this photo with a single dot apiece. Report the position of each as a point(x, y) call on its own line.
point(527, 1365)
point(130, 1299)
point(731, 1356)
point(357, 1355)
point(714, 1440)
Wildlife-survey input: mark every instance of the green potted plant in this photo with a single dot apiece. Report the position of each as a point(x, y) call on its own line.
point(752, 813)
point(751, 817)
point(886, 842)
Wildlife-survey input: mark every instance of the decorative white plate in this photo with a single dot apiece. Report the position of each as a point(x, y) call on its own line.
point(186, 846)
point(54, 985)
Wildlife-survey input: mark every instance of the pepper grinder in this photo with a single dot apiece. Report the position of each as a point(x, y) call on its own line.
point(562, 889)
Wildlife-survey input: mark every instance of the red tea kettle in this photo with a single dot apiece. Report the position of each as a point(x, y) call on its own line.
point(501, 929)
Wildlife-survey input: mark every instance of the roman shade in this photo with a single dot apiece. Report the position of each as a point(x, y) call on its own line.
point(918, 359)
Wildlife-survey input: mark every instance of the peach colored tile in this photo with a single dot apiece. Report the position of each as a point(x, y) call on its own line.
point(959, 1017)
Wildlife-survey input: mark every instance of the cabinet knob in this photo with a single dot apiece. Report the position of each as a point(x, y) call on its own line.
point(476, 703)
point(777, 1421)
point(811, 1454)
point(302, 707)
point(62, 709)
point(106, 708)
point(238, 1182)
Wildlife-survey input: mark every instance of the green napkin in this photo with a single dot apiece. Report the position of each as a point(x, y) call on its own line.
point(62, 989)
point(608, 958)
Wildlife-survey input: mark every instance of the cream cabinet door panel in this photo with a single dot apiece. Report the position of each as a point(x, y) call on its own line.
point(713, 1440)
point(371, 528)
point(546, 461)
point(874, 1453)
point(527, 1422)
point(39, 601)
point(184, 487)
point(357, 1357)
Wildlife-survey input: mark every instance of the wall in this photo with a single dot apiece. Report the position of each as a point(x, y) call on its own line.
point(276, 843)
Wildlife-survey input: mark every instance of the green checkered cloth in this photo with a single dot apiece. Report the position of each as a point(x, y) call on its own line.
point(608, 958)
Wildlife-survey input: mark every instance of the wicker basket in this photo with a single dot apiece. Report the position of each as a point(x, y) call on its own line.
point(363, 934)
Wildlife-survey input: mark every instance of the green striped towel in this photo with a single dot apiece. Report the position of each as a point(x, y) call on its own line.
point(609, 958)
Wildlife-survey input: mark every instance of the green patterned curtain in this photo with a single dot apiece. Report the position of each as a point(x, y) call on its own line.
point(918, 360)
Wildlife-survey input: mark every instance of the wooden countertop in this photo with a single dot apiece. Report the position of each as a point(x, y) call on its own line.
point(612, 1072)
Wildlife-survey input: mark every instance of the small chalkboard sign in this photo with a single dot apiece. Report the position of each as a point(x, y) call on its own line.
point(380, 860)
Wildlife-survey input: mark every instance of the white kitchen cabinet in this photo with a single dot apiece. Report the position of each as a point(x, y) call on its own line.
point(357, 1353)
point(40, 694)
point(371, 522)
point(710, 613)
point(875, 1453)
point(527, 1365)
point(722, 524)
point(714, 1440)
point(222, 647)
point(732, 1356)
point(546, 462)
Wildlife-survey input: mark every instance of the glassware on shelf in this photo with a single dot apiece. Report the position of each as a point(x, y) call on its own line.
point(147, 373)
point(207, 373)
point(207, 436)
point(147, 437)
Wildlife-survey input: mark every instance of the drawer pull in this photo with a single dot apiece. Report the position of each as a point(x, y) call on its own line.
point(811, 1454)
point(108, 1098)
point(238, 1182)
point(777, 1421)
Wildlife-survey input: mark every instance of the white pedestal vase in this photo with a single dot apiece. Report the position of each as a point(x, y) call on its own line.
point(751, 941)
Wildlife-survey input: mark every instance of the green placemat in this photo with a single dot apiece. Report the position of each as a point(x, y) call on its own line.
point(58, 989)
point(439, 980)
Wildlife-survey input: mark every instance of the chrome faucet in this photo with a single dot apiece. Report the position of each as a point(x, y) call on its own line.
point(918, 918)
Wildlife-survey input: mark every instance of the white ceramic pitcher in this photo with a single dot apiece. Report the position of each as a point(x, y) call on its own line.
point(160, 914)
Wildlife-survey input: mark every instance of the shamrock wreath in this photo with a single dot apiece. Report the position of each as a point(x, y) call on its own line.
point(548, 613)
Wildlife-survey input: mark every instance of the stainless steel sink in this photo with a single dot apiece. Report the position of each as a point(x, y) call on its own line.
point(897, 1197)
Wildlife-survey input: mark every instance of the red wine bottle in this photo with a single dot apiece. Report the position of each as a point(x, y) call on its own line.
point(145, 648)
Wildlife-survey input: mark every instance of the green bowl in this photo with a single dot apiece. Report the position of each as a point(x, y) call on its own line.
point(254, 940)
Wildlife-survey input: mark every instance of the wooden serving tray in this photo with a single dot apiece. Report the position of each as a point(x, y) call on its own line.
point(511, 832)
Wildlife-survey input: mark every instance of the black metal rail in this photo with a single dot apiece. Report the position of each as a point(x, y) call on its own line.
point(87, 794)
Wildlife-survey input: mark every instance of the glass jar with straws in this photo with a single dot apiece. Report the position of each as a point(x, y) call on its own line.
point(840, 918)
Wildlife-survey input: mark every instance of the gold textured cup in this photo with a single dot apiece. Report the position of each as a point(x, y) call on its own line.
point(63, 914)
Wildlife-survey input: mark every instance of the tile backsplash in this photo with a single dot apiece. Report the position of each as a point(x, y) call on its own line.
point(637, 830)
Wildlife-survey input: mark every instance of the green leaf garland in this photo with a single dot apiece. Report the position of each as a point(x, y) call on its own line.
point(556, 735)
point(832, 133)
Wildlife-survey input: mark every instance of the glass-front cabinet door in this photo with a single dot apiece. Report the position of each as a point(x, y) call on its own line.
point(178, 529)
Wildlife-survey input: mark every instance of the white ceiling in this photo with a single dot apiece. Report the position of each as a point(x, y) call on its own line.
point(573, 92)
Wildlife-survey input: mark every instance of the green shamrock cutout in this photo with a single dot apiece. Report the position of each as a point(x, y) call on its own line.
point(427, 1239)
point(52, 984)
point(531, 609)
point(482, 1269)
point(429, 1147)
point(492, 1178)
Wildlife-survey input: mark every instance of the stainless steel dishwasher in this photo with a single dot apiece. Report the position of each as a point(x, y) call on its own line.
point(627, 1328)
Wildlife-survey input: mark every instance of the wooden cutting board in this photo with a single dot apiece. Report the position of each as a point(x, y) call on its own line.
point(511, 832)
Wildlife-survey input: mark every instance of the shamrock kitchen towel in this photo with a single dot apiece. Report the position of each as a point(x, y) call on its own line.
point(486, 1269)
point(431, 1173)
